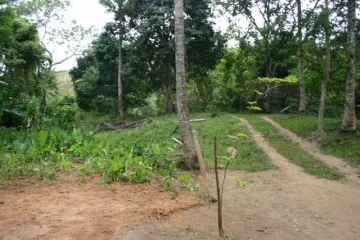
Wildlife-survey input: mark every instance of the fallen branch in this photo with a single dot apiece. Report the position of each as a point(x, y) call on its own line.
point(118, 126)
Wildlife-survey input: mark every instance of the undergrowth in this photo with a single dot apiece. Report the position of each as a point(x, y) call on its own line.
point(45, 152)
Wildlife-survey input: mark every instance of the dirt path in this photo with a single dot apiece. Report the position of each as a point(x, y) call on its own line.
point(312, 149)
point(285, 203)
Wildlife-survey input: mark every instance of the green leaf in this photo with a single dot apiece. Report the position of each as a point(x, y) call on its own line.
point(48, 175)
point(185, 177)
point(232, 137)
point(42, 138)
point(67, 165)
point(140, 175)
point(254, 108)
point(103, 180)
point(175, 193)
point(243, 135)
point(240, 183)
point(21, 145)
point(164, 172)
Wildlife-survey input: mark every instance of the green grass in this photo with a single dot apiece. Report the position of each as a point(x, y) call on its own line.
point(335, 142)
point(91, 120)
point(305, 125)
point(161, 130)
point(289, 150)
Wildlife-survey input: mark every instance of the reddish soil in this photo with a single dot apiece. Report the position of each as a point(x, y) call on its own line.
point(65, 209)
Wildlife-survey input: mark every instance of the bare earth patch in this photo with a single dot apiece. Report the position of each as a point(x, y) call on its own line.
point(65, 209)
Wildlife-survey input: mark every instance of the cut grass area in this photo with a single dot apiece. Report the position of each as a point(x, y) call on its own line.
point(289, 150)
point(161, 130)
point(334, 143)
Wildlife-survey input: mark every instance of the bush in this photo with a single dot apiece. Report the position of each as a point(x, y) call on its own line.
point(103, 104)
point(64, 113)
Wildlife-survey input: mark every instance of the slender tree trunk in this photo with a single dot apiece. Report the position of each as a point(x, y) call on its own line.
point(188, 147)
point(168, 90)
point(326, 70)
point(27, 73)
point(267, 58)
point(302, 107)
point(349, 120)
point(120, 90)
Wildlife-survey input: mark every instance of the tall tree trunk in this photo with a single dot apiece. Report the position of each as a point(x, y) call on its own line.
point(120, 90)
point(326, 69)
point(349, 120)
point(302, 107)
point(188, 147)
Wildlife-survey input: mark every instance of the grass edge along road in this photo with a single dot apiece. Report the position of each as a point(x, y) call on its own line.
point(289, 150)
point(335, 143)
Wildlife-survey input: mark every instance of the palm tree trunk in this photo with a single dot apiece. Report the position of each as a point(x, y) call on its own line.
point(188, 147)
point(349, 120)
point(302, 107)
point(326, 70)
point(120, 90)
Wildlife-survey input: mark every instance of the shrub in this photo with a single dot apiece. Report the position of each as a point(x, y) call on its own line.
point(64, 113)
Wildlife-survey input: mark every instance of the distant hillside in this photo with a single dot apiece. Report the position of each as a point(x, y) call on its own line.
point(64, 83)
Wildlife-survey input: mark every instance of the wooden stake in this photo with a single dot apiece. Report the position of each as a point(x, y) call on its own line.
point(199, 155)
point(221, 230)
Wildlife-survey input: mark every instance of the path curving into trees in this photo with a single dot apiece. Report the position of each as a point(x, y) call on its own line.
point(313, 149)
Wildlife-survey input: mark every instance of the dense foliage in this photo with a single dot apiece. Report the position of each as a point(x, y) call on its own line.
point(46, 152)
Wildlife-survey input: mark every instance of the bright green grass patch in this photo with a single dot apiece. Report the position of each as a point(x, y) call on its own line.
point(335, 143)
point(305, 125)
point(153, 131)
point(225, 128)
point(289, 150)
point(161, 130)
point(64, 83)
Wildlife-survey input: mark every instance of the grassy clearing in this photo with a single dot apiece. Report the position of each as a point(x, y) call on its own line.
point(289, 150)
point(161, 130)
point(65, 85)
point(335, 143)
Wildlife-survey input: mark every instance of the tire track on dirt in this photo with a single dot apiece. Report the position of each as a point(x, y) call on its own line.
point(278, 159)
point(313, 150)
